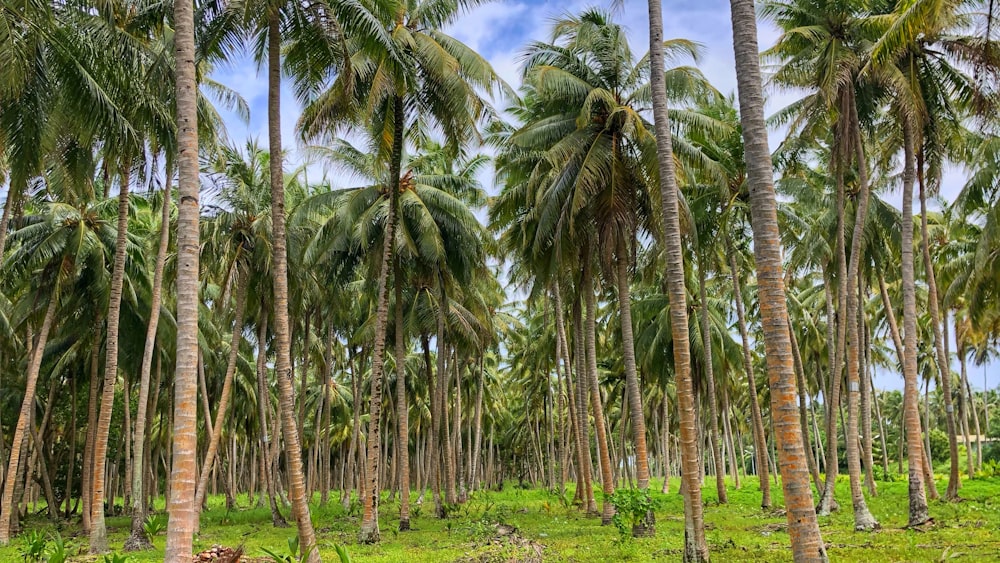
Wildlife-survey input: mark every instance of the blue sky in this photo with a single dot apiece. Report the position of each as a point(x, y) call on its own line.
point(500, 30)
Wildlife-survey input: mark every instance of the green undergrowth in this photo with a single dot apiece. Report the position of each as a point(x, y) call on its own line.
point(739, 531)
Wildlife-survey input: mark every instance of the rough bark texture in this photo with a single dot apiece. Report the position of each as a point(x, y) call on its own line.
point(695, 547)
point(911, 393)
point(940, 353)
point(402, 408)
point(227, 391)
point(807, 543)
point(98, 531)
point(9, 504)
point(181, 524)
point(137, 540)
point(713, 405)
point(369, 520)
point(757, 420)
point(589, 381)
point(282, 367)
point(863, 519)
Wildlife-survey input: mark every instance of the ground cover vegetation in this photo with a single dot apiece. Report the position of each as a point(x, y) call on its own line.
point(651, 335)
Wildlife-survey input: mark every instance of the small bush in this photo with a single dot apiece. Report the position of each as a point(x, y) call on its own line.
point(631, 508)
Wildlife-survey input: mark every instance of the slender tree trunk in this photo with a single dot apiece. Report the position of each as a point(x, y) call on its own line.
point(137, 540)
point(227, 391)
point(293, 449)
point(695, 547)
point(592, 388)
point(73, 439)
point(9, 504)
point(402, 406)
point(181, 523)
point(943, 361)
point(369, 521)
point(863, 519)
point(866, 395)
point(349, 468)
point(98, 531)
point(756, 420)
point(713, 407)
point(87, 484)
point(833, 398)
point(911, 394)
point(803, 406)
point(807, 543)
point(477, 440)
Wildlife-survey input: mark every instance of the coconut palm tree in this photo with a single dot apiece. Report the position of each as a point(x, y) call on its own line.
point(183, 513)
point(422, 74)
point(807, 543)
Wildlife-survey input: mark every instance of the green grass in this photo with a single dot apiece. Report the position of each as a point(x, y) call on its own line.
point(740, 531)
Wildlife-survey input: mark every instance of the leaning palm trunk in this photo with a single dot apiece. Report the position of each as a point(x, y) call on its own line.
point(827, 502)
point(638, 419)
point(911, 394)
point(588, 378)
point(181, 523)
point(756, 420)
point(227, 391)
point(282, 367)
point(369, 520)
point(137, 540)
point(943, 361)
point(98, 531)
point(402, 409)
point(713, 407)
point(807, 543)
point(9, 505)
point(695, 547)
point(863, 519)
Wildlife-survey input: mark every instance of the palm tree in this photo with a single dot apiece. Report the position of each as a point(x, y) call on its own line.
point(61, 245)
point(807, 543)
point(181, 508)
point(418, 73)
point(695, 548)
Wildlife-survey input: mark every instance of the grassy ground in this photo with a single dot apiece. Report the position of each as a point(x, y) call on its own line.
point(964, 531)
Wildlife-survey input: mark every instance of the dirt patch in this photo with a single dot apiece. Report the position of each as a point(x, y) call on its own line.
point(504, 546)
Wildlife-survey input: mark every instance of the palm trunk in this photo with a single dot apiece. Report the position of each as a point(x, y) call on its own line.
point(803, 406)
point(138, 540)
point(911, 394)
point(713, 407)
point(9, 505)
point(87, 477)
point(695, 547)
point(227, 386)
point(478, 433)
point(807, 543)
point(98, 531)
point(833, 399)
point(591, 387)
point(866, 398)
point(349, 465)
point(863, 519)
point(369, 521)
point(402, 407)
point(756, 420)
point(943, 362)
point(181, 523)
point(293, 449)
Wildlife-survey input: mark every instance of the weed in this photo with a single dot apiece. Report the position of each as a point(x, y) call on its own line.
point(34, 546)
